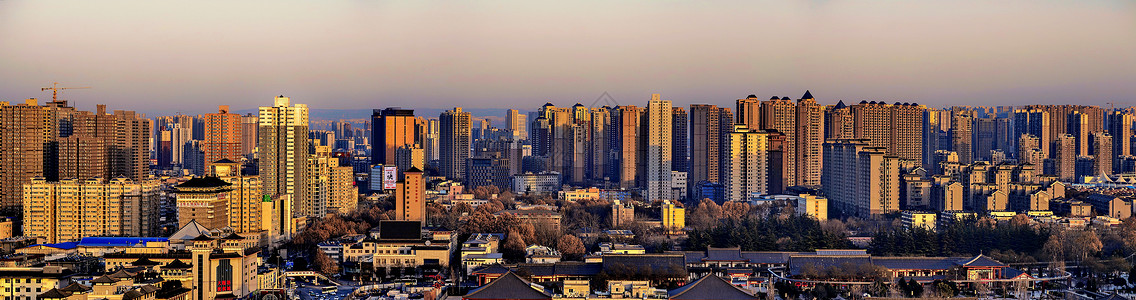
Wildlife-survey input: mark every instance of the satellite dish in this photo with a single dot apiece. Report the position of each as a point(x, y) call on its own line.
point(427, 243)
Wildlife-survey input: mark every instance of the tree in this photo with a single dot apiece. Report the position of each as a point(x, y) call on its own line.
point(323, 264)
point(514, 247)
point(570, 246)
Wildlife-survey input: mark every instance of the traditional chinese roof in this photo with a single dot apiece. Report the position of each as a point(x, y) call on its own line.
point(75, 287)
point(710, 287)
point(144, 262)
point(509, 286)
point(177, 264)
point(981, 261)
point(53, 294)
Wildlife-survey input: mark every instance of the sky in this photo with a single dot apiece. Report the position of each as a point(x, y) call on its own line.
point(162, 57)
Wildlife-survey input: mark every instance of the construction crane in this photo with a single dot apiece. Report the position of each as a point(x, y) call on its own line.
point(55, 91)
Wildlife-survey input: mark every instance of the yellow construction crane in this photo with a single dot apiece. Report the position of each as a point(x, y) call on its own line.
point(55, 91)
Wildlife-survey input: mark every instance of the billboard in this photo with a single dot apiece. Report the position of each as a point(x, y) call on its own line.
point(390, 175)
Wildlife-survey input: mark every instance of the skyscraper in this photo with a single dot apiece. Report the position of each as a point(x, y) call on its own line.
point(961, 135)
point(810, 141)
point(601, 145)
point(284, 156)
point(780, 114)
point(125, 136)
point(22, 133)
point(393, 128)
point(658, 145)
point(249, 135)
point(1120, 128)
point(749, 112)
point(749, 167)
point(516, 124)
point(1066, 156)
point(432, 142)
point(704, 143)
point(454, 139)
point(1102, 153)
point(626, 120)
point(897, 128)
point(859, 179)
point(222, 136)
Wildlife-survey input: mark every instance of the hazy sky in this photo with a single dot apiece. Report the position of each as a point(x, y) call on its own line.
point(169, 56)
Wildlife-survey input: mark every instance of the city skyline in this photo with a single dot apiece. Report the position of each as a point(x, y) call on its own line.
point(426, 55)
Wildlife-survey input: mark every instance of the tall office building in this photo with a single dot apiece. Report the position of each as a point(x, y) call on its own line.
point(658, 146)
point(393, 128)
point(454, 138)
point(750, 162)
point(809, 141)
point(283, 151)
point(680, 161)
point(705, 133)
point(859, 179)
point(22, 131)
point(488, 170)
point(961, 135)
point(70, 209)
point(780, 114)
point(515, 122)
point(222, 136)
point(1078, 126)
point(410, 196)
point(934, 131)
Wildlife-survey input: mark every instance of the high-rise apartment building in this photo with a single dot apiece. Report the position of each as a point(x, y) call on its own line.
point(780, 114)
point(125, 136)
point(1035, 122)
point(859, 179)
point(283, 151)
point(680, 160)
point(330, 186)
point(705, 134)
point(809, 141)
point(222, 136)
point(432, 143)
point(1065, 158)
point(71, 209)
point(962, 135)
point(839, 122)
point(628, 129)
point(22, 132)
point(1102, 153)
point(454, 138)
point(897, 128)
point(658, 146)
point(249, 133)
point(749, 168)
point(600, 145)
point(748, 112)
point(1120, 128)
point(245, 199)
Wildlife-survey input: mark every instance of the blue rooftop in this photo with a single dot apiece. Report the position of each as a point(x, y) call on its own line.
point(118, 241)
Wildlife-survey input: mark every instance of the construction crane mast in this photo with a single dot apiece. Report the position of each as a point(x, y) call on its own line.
point(55, 92)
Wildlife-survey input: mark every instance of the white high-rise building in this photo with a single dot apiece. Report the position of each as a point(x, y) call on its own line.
point(658, 147)
point(516, 124)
